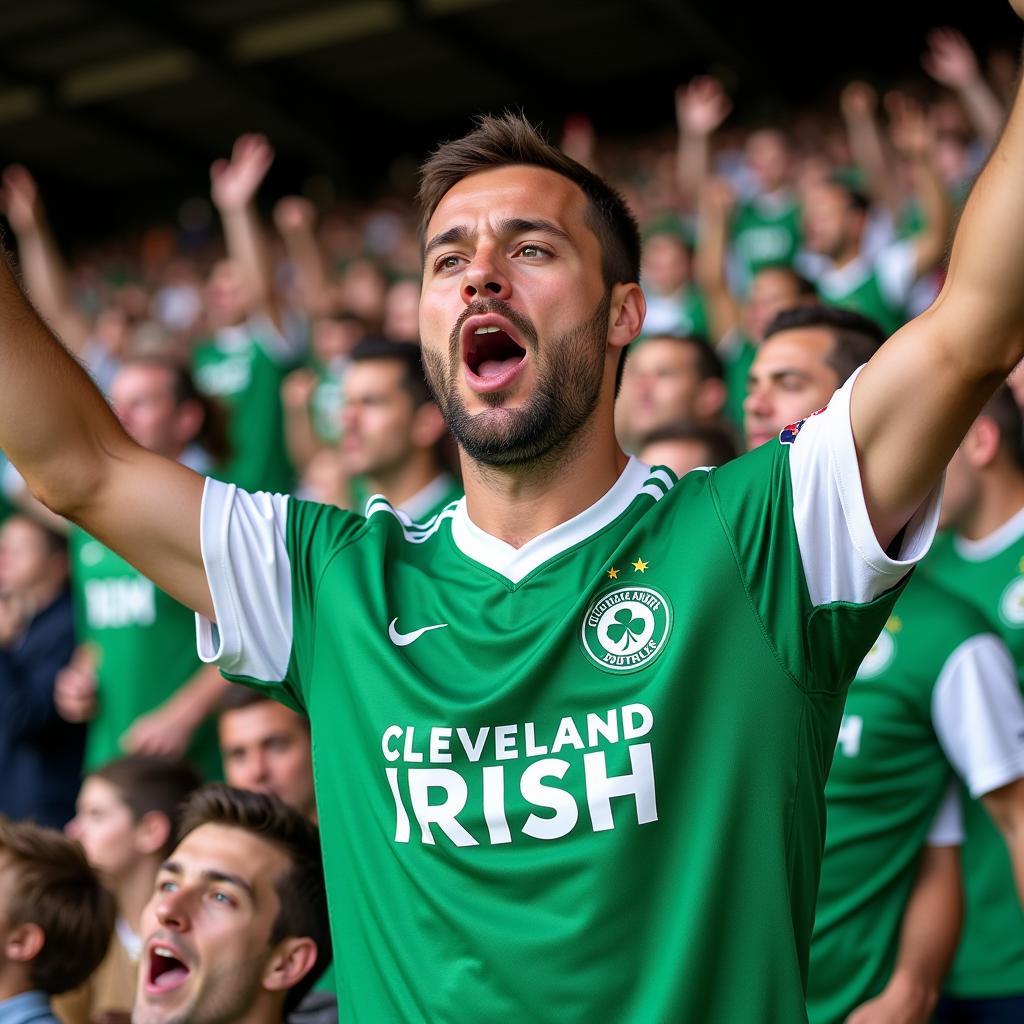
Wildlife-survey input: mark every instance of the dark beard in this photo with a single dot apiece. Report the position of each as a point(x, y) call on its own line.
point(567, 391)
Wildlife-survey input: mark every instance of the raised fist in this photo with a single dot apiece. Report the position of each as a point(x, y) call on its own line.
point(19, 198)
point(293, 214)
point(858, 101)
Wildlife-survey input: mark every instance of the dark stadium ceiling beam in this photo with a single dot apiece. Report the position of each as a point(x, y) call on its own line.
point(309, 107)
point(25, 95)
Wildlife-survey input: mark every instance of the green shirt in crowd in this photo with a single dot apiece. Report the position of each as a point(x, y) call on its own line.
point(765, 232)
point(244, 368)
point(989, 574)
point(937, 693)
point(583, 778)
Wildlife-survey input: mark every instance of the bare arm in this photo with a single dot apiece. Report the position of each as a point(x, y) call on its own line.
point(859, 103)
point(917, 396)
point(913, 138)
point(1006, 807)
point(710, 259)
point(46, 276)
point(701, 107)
point(301, 439)
point(951, 61)
point(233, 187)
point(928, 939)
point(295, 218)
point(60, 433)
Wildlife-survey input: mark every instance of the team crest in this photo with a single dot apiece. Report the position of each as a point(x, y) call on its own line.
point(1011, 604)
point(625, 629)
point(878, 659)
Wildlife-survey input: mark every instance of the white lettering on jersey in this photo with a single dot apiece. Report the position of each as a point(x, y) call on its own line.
point(121, 601)
point(849, 735)
point(437, 796)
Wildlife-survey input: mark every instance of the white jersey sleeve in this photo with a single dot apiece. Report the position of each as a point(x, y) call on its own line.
point(249, 573)
point(841, 556)
point(978, 714)
point(948, 827)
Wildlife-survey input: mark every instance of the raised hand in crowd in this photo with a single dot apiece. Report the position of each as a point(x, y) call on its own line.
point(295, 219)
point(75, 687)
point(701, 107)
point(579, 141)
point(296, 396)
point(858, 103)
point(951, 62)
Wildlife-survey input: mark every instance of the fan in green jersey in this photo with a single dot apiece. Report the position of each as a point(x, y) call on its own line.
point(570, 739)
point(835, 223)
point(134, 677)
point(981, 558)
point(249, 352)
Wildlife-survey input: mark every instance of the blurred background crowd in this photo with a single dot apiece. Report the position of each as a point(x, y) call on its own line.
point(271, 340)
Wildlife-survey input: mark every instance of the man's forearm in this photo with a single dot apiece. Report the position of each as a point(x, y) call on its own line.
point(983, 108)
point(55, 426)
point(933, 239)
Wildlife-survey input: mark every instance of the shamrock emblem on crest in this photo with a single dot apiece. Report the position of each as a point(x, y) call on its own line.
point(625, 627)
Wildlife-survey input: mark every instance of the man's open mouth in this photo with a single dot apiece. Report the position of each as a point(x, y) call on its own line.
point(165, 971)
point(491, 351)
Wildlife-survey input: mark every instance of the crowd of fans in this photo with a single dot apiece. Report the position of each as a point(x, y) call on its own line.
point(776, 260)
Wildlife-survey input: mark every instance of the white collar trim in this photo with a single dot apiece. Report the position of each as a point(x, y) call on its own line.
point(517, 563)
point(427, 497)
point(995, 543)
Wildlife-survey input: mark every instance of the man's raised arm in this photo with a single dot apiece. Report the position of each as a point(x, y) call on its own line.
point(58, 430)
point(916, 398)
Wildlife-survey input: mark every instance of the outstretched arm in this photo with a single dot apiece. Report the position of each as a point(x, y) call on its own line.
point(859, 105)
point(709, 263)
point(58, 430)
point(916, 398)
point(701, 107)
point(233, 187)
point(295, 218)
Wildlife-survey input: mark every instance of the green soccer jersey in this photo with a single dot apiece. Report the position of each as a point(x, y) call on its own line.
point(327, 401)
point(583, 778)
point(244, 368)
point(877, 288)
point(989, 574)
point(765, 232)
point(937, 689)
point(422, 507)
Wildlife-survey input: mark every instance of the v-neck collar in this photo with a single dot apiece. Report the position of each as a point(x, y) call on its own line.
point(517, 563)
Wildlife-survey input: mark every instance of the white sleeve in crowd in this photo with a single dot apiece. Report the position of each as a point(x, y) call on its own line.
point(978, 714)
point(841, 556)
point(948, 827)
point(281, 345)
point(895, 266)
point(249, 573)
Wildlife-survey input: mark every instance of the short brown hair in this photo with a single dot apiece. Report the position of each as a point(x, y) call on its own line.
point(509, 140)
point(236, 697)
point(1003, 411)
point(58, 891)
point(148, 783)
point(301, 891)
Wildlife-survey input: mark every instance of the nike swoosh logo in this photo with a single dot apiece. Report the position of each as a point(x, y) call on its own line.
point(404, 639)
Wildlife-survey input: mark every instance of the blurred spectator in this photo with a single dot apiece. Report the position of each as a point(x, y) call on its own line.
point(251, 348)
point(937, 692)
point(126, 818)
point(807, 353)
point(135, 676)
point(836, 218)
point(55, 920)
point(687, 446)
point(668, 379)
point(266, 748)
point(237, 926)
point(391, 433)
point(673, 304)
point(980, 557)
point(40, 753)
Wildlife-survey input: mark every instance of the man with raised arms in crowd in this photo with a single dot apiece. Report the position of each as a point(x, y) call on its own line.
point(585, 665)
